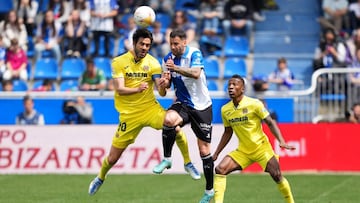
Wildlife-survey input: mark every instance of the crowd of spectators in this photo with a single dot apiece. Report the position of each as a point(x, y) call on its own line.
point(64, 29)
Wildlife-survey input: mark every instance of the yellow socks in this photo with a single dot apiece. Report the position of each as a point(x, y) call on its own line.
point(219, 187)
point(105, 167)
point(285, 190)
point(182, 143)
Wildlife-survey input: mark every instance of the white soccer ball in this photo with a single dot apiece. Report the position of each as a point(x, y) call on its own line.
point(144, 16)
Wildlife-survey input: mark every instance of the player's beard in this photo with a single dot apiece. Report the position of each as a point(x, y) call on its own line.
point(140, 53)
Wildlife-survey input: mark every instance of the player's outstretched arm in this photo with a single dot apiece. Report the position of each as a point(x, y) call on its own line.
point(276, 132)
point(228, 131)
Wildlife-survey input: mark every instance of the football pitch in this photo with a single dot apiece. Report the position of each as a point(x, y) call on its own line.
point(166, 188)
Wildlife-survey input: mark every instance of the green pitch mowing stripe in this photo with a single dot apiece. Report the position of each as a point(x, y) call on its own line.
point(249, 188)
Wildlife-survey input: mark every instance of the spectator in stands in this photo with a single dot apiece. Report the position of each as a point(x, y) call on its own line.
point(83, 7)
point(77, 112)
point(238, 16)
point(12, 28)
point(331, 52)
point(75, 33)
point(212, 14)
point(355, 77)
point(353, 116)
point(93, 78)
point(61, 10)
point(354, 15)
point(7, 86)
point(29, 116)
point(16, 62)
point(352, 45)
point(180, 21)
point(48, 37)
point(47, 85)
point(282, 75)
point(335, 15)
point(26, 11)
point(162, 6)
point(159, 46)
point(102, 22)
point(2, 58)
point(260, 83)
point(130, 29)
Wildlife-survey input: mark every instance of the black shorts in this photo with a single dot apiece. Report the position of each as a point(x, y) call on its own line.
point(200, 120)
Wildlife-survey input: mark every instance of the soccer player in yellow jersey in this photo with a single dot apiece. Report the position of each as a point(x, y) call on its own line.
point(134, 74)
point(244, 115)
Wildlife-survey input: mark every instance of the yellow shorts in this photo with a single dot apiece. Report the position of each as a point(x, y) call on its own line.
point(130, 124)
point(262, 155)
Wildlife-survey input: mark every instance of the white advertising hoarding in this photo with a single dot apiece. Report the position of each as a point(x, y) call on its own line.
point(79, 149)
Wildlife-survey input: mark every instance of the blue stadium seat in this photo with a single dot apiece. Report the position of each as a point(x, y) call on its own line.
point(43, 5)
point(211, 67)
point(236, 46)
point(72, 68)
point(264, 66)
point(31, 47)
point(301, 23)
point(20, 85)
point(6, 6)
point(233, 66)
point(185, 4)
point(69, 85)
point(46, 68)
point(291, 6)
point(121, 46)
point(212, 85)
point(104, 64)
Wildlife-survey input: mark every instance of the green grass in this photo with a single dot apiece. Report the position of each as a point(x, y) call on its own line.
point(249, 188)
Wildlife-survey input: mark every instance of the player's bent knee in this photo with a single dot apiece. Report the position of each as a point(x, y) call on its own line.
point(220, 170)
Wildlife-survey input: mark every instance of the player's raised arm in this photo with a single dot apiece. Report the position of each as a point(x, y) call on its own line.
point(276, 132)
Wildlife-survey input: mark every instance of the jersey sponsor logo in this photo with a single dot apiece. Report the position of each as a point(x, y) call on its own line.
point(137, 75)
point(239, 119)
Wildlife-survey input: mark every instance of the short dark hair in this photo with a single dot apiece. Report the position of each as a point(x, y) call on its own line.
point(26, 98)
point(142, 32)
point(281, 60)
point(89, 60)
point(178, 33)
point(237, 76)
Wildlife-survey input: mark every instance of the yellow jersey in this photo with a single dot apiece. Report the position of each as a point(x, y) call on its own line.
point(246, 122)
point(135, 73)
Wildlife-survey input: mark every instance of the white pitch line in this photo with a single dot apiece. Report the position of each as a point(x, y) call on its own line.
point(324, 194)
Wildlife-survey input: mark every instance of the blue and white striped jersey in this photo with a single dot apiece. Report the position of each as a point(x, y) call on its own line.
point(193, 92)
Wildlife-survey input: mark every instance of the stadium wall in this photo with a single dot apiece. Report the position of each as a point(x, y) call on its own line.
point(104, 112)
point(80, 149)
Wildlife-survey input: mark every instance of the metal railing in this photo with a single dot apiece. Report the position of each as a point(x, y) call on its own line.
point(328, 98)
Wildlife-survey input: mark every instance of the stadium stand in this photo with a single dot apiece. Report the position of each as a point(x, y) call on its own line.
point(234, 65)
point(20, 85)
point(72, 68)
point(69, 85)
point(104, 64)
point(46, 68)
point(212, 69)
